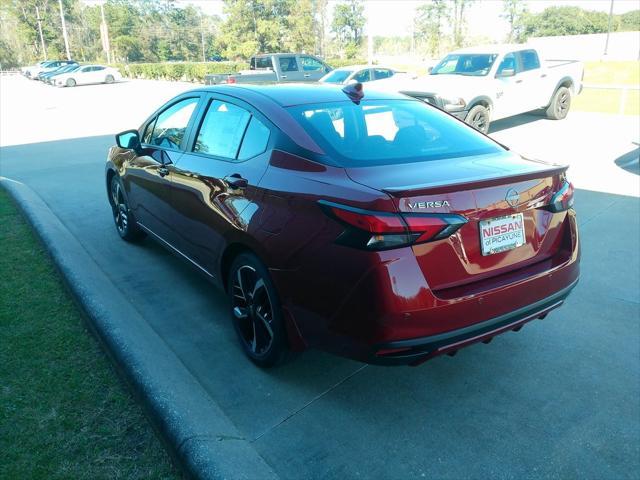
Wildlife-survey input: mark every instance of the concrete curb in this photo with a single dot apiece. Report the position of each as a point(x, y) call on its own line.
point(203, 440)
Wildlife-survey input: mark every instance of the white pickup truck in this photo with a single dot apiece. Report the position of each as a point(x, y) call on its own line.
point(482, 84)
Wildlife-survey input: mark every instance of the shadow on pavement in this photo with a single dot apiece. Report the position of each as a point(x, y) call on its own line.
point(528, 402)
point(515, 121)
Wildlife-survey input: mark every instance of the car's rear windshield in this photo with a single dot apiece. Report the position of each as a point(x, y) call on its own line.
point(472, 64)
point(337, 76)
point(382, 132)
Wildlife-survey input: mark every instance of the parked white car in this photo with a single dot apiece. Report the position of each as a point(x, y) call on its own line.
point(358, 73)
point(88, 74)
point(483, 84)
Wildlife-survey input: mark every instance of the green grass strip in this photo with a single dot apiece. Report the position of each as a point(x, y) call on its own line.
point(64, 413)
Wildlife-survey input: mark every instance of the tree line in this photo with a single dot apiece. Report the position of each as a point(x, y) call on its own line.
point(162, 31)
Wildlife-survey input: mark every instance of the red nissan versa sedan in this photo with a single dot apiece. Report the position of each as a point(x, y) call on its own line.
point(377, 228)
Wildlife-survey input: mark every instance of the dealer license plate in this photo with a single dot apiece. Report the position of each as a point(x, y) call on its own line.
point(502, 233)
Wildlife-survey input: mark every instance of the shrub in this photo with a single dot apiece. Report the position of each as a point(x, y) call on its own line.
point(185, 71)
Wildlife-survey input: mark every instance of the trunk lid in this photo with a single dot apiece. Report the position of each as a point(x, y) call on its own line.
point(476, 188)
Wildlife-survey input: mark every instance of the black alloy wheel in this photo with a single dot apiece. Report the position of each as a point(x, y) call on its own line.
point(255, 312)
point(125, 224)
point(478, 118)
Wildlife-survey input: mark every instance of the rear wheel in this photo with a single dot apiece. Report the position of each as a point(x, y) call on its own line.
point(70, 82)
point(560, 104)
point(126, 225)
point(109, 79)
point(479, 118)
point(256, 313)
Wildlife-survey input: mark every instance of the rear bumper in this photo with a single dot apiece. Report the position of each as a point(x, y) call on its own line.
point(417, 350)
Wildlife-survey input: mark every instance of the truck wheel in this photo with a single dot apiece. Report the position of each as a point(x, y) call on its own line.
point(560, 104)
point(479, 118)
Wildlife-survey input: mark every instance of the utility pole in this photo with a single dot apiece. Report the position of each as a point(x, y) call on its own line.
point(104, 32)
point(64, 31)
point(606, 44)
point(44, 48)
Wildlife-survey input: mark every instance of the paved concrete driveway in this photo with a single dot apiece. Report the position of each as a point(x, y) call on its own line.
point(559, 399)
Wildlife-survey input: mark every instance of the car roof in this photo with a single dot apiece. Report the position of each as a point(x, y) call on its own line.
point(497, 48)
point(289, 94)
point(361, 67)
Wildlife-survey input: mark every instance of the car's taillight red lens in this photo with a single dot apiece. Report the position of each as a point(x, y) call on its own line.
point(370, 222)
point(428, 227)
point(563, 199)
point(381, 230)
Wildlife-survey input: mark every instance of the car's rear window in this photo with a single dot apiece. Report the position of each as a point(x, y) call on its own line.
point(381, 132)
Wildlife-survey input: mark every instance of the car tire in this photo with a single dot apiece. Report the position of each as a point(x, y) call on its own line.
point(125, 222)
point(256, 313)
point(109, 79)
point(560, 104)
point(479, 117)
point(70, 82)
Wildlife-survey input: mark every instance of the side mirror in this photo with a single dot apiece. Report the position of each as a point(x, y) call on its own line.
point(429, 70)
point(128, 139)
point(506, 72)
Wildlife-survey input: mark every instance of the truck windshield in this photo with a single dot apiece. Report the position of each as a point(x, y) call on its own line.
point(382, 132)
point(473, 64)
point(337, 76)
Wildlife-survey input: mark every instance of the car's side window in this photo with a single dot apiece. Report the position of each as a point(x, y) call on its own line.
point(288, 64)
point(221, 130)
point(363, 76)
point(382, 73)
point(529, 59)
point(310, 64)
point(255, 140)
point(97, 69)
point(171, 125)
point(86, 69)
point(508, 63)
point(146, 138)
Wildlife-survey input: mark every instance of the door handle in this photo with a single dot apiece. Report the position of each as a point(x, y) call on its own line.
point(236, 181)
point(307, 75)
point(283, 76)
point(518, 81)
point(163, 171)
point(543, 75)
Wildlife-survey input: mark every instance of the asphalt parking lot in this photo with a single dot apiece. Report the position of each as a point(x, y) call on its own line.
point(560, 399)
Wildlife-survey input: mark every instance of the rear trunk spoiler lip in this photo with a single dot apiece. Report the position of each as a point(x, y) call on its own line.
point(427, 189)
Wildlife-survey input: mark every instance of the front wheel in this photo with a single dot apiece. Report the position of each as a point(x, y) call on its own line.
point(126, 225)
point(70, 82)
point(560, 104)
point(256, 313)
point(479, 117)
point(109, 79)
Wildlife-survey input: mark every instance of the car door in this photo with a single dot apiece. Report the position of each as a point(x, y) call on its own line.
point(509, 88)
point(83, 76)
point(289, 69)
point(149, 173)
point(312, 68)
point(215, 183)
point(97, 74)
point(533, 78)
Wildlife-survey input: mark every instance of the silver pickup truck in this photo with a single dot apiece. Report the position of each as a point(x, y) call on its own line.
point(483, 84)
point(275, 67)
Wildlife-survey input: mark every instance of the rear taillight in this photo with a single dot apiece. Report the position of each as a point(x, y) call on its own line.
point(563, 199)
point(231, 80)
point(381, 230)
